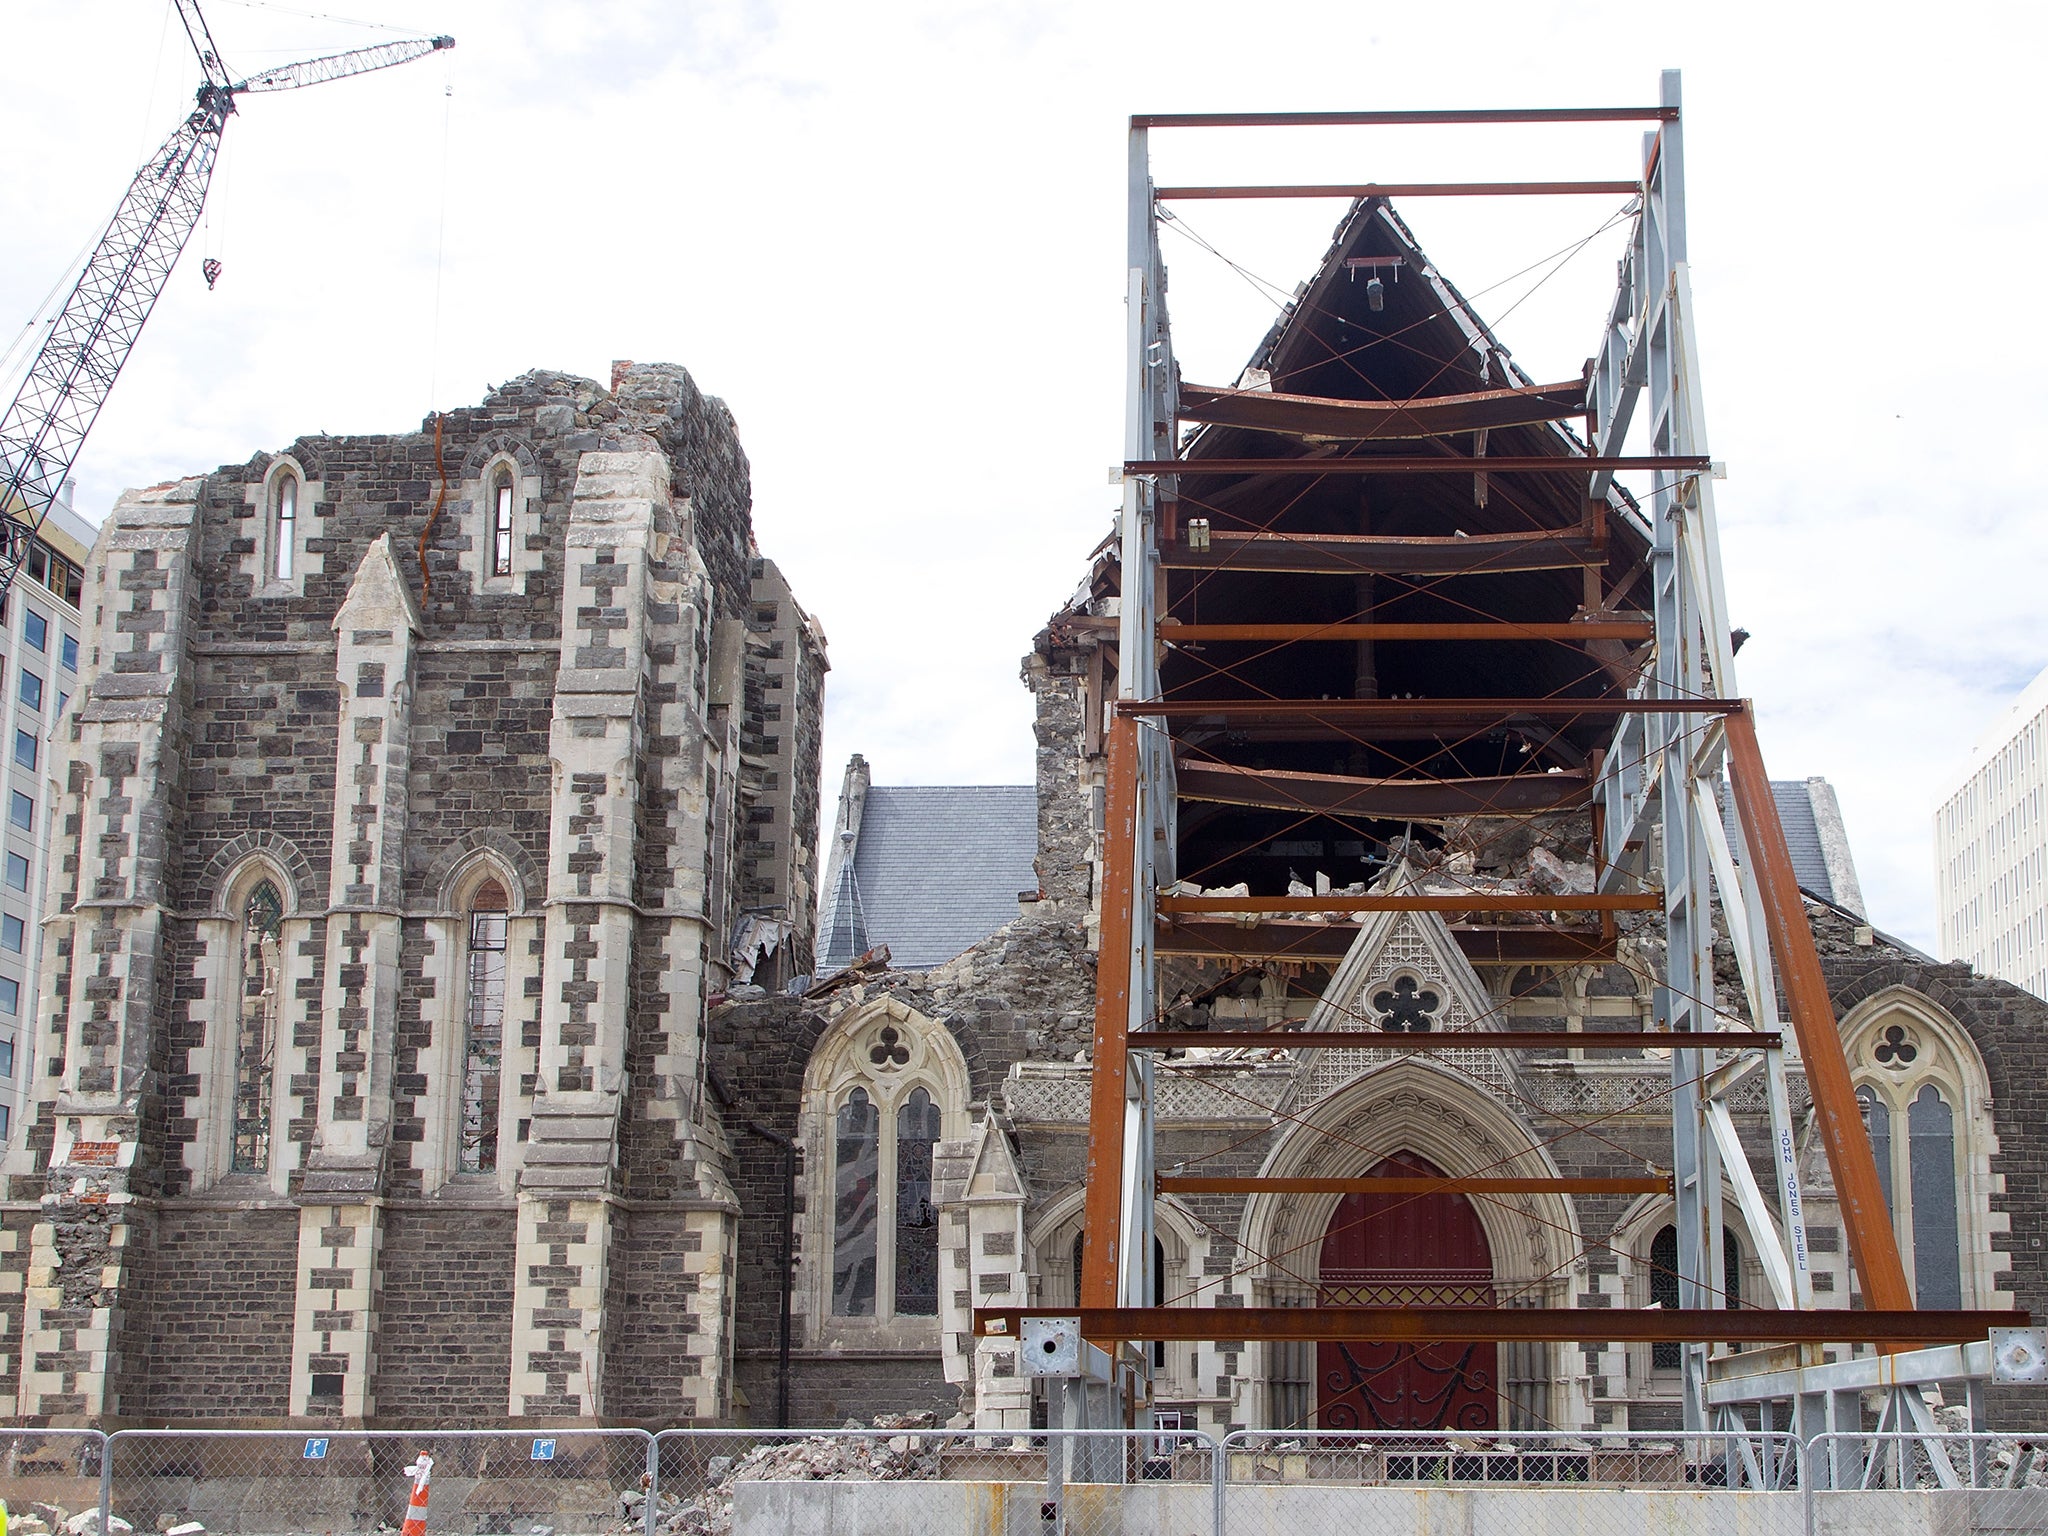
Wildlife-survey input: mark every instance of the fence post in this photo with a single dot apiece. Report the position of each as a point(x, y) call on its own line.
point(1219, 1477)
point(651, 1510)
point(106, 1482)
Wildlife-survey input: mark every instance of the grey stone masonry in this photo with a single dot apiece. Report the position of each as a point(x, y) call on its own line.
point(398, 853)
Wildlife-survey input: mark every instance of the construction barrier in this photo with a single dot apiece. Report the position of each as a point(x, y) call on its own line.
point(51, 1477)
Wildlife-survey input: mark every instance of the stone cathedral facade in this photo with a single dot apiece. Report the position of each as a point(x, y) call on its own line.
point(406, 828)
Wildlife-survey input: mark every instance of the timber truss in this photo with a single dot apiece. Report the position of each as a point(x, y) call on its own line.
point(1411, 593)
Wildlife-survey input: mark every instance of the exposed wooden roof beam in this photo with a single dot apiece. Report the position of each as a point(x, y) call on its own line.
point(1375, 420)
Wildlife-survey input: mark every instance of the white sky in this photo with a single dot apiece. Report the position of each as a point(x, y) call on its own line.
point(891, 237)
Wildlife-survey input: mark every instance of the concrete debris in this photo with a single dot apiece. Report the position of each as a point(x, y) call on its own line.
point(88, 1524)
point(189, 1528)
point(879, 1452)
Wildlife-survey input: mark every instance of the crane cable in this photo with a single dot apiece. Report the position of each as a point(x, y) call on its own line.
point(434, 336)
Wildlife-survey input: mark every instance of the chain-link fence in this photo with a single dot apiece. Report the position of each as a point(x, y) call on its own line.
point(1036, 1483)
point(569, 1482)
point(1951, 1482)
point(51, 1479)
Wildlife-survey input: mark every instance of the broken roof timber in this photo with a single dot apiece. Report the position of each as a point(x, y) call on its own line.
point(1364, 420)
point(1280, 790)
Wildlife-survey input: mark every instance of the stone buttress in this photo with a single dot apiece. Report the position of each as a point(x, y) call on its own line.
point(341, 1194)
point(102, 979)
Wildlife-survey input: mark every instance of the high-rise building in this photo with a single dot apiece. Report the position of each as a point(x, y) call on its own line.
point(39, 633)
point(1991, 850)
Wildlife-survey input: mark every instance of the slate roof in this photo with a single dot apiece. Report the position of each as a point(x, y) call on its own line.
point(938, 869)
point(1802, 835)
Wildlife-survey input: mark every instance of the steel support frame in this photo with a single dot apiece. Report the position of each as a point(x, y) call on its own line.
point(1666, 770)
point(1662, 771)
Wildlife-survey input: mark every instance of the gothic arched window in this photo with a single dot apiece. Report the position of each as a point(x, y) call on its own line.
point(285, 524)
point(1664, 1284)
point(1910, 1099)
point(256, 1028)
point(884, 1086)
point(483, 1037)
point(501, 522)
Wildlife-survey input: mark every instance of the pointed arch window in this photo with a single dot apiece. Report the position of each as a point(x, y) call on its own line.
point(1664, 1288)
point(1917, 1171)
point(483, 1036)
point(262, 920)
point(286, 498)
point(856, 1206)
point(501, 522)
point(885, 1215)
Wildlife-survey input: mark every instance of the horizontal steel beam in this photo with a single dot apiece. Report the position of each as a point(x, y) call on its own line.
point(1397, 119)
point(1327, 943)
point(1627, 1325)
point(1349, 554)
point(1454, 1040)
point(1397, 901)
point(1410, 189)
point(1500, 629)
point(1739, 1380)
point(1450, 712)
point(1408, 464)
point(1198, 1184)
point(1279, 789)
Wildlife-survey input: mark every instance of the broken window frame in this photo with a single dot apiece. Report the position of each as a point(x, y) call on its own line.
point(483, 1032)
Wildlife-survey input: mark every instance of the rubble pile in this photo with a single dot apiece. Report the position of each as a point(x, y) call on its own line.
point(879, 1452)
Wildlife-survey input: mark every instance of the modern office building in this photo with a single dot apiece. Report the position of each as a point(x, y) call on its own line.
point(39, 661)
point(1991, 850)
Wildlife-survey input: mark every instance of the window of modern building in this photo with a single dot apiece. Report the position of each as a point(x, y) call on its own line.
point(31, 688)
point(256, 1028)
point(13, 933)
point(285, 517)
point(35, 629)
point(10, 995)
point(6, 1058)
point(501, 524)
point(69, 653)
point(63, 703)
point(17, 872)
point(484, 1028)
point(22, 811)
point(6, 1122)
point(25, 748)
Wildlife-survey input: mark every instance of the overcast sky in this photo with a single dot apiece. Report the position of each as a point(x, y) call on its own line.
point(890, 235)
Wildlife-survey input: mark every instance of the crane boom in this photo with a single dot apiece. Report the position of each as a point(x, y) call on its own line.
point(89, 341)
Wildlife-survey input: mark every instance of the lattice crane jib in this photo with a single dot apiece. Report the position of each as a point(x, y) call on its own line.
point(67, 382)
point(1655, 740)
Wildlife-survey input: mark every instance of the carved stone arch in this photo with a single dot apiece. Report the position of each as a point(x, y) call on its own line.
point(453, 867)
point(228, 876)
point(914, 1051)
point(259, 496)
point(1416, 1107)
point(1051, 1232)
point(1899, 1041)
point(1631, 1236)
point(459, 890)
point(499, 445)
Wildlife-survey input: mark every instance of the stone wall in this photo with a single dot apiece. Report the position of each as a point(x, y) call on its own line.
point(216, 1291)
point(445, 1311)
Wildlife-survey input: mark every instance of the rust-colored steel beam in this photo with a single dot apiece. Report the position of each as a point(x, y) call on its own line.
point(1407, 464)
point(1625, 1325)
point(1319, 416)
point(1397, 901)
point(1385, 119)
point(1350, 554)
point(1410, 189)
point(1279, 789)
point(1454, 1040)
point(1452, 713)
point(1327, 943)
point(1102, 1219)
point(1198, 1184)
point(1837, 1116)
point(1500, 629)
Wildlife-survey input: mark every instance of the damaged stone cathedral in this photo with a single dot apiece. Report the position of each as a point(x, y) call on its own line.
point(430, 1032)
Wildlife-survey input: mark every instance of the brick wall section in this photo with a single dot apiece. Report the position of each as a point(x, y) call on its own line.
point(218, 1286)
point(445, 1317)
point(830, 1389)
point(654, 1374)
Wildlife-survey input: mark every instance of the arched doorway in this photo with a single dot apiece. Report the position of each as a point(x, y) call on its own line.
point(1406, 1250)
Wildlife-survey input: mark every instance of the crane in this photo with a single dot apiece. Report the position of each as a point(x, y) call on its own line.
point(91, 337)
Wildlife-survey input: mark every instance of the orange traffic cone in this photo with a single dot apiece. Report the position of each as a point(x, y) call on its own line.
point(416, 1510)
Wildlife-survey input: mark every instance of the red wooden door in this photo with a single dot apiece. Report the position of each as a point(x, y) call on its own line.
point(1406, 1250)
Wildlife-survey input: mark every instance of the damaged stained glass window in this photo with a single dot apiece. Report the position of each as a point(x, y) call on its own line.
point(256, 1029)
point(501, 525)
point(917, 1218)
point(484, 1033)
point(1931, 1157)
point(856, 1213)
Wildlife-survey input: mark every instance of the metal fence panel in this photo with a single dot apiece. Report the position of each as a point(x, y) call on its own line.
point(50, 1478)
point(568, 1482)
point(713, 1482)
point(1972, 1483)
